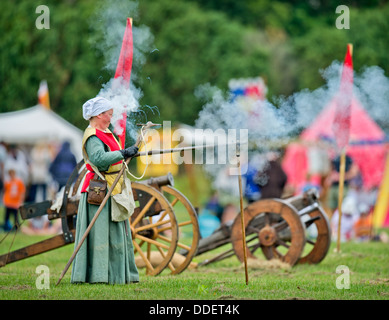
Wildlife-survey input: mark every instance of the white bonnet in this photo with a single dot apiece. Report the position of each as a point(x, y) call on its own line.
point(95, 106)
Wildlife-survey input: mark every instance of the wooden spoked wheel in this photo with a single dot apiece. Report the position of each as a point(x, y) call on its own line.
point(82, 170)
point(154, 229)
point(272, 225)
point(318, 236)
point(188, 228)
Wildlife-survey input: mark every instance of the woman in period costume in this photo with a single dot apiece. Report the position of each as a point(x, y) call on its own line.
point(107, 254)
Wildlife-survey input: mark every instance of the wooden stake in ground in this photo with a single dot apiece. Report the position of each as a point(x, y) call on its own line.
point(341, 125)
point(342, 170)
point(241, 212)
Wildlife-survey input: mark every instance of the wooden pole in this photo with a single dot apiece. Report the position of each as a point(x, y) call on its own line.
point(149, 124)
point(241, 213)
point(346, 85)
point(342, 171)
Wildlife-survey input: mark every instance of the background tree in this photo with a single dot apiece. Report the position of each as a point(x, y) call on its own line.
point(195, 42)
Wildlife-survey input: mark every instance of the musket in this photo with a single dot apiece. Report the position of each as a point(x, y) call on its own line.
point(162, 151)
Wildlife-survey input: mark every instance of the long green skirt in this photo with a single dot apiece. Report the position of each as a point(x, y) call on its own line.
point(107, 254)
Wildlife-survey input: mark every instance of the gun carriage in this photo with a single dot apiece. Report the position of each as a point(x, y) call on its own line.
point(278, 227)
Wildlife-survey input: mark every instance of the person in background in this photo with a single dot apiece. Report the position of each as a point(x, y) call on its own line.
point(252, 190)
point(350, 215)
point(3, 157)
point(351, 171)
point(17, 160)
point(39, 172)
point(14, 194)
point(63, 165)
point(363, 226)
point(214, 205)
point(273, 178)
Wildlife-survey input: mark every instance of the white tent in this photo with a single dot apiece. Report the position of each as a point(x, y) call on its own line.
point(36, 124)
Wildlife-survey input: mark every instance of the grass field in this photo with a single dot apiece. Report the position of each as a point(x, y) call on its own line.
point(365, 266)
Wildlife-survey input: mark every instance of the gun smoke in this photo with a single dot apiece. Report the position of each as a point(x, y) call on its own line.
point(110, 22)
point(273, 125)
point(270, 124)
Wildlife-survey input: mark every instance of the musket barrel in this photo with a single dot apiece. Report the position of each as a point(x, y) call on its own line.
point(162, 151)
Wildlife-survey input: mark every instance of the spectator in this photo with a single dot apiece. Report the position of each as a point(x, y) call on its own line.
point(223, 212)
point(39, 172)
point(208, 223)
point(14, 193)
point(252, 190)
point(16, 160)
point(351, 171)
point(363, 226)
point(214, 205)
point(273, 178)
point(63, 165)
point(350, 214)
point(3, 157)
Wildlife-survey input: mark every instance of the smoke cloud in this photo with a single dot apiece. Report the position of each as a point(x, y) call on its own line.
point(274, 124)
point(373, 92)
point(288, 116)
point(109, 22)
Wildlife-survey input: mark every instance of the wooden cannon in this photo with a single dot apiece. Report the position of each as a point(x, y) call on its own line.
point(154, 224)
point(279, 228)
point(165, 225)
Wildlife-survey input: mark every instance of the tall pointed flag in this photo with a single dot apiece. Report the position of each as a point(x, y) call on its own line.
point(43, 94)
point(342, 117)
point(341, 125)
point(123, 70)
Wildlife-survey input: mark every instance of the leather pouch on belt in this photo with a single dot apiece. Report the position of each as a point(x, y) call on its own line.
point(97, 190)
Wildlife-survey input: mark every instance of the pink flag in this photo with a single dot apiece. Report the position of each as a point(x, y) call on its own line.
point(123, 70)
point(341, 125)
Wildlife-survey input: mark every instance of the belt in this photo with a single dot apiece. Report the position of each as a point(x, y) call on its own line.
point(115, 172)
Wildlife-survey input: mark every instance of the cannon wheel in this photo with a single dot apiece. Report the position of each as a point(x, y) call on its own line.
point(186, 224)
point(77, 184)
point(152, 232)
point(272, 225)
point(322, 241)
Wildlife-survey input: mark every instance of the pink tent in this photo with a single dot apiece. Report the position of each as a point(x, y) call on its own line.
point(366, 145)
point(295, 165)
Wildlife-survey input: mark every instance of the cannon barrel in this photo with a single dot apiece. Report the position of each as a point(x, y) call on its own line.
point(166, 180)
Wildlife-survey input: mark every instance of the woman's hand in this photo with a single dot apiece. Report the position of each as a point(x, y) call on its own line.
point(129, 152)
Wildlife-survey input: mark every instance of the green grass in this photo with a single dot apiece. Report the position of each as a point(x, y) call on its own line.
point(367, 263)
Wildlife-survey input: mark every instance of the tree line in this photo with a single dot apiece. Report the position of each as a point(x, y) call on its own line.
point(194, 42)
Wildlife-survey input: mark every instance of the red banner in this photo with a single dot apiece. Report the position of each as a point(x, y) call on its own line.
point(341, 125)
point(123, 70)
